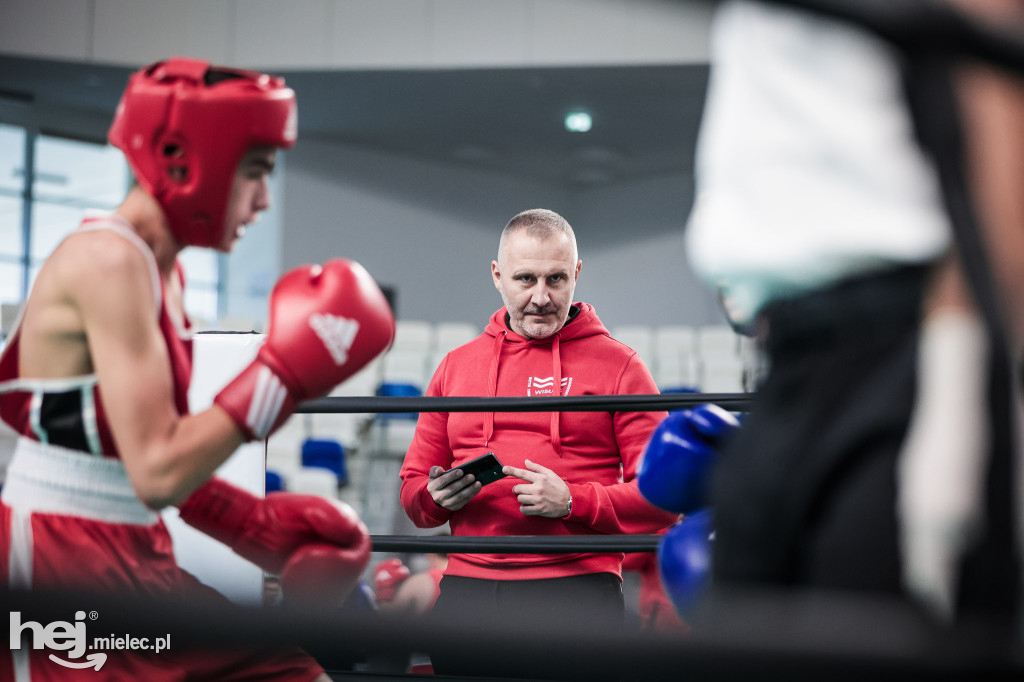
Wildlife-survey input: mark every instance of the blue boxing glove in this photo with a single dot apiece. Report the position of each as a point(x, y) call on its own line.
point(684, 560)
point(678, 460)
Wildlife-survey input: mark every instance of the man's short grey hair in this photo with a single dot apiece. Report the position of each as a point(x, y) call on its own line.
point(539, 223)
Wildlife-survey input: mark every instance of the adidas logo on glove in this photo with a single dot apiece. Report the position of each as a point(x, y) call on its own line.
point(337, 334)
point(336, 307)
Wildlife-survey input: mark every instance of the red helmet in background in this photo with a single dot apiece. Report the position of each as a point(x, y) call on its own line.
point(185, 125)
point(388, 577)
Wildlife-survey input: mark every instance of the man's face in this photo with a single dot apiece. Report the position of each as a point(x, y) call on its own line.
point(536, 280)
point(250, 194)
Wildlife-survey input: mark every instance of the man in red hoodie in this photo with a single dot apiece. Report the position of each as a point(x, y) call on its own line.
point(566, 473)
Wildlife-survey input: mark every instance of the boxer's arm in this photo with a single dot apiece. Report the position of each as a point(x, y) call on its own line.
point(318, 545)
point(944, 456)
point(992, 111)
point(943, 460)
point(165, 454)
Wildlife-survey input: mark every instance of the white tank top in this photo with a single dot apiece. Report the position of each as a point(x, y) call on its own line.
point(807, 169)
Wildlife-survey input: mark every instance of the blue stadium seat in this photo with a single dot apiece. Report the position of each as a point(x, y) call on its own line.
point(274, 482)
point(326, 454)
point(401, 390)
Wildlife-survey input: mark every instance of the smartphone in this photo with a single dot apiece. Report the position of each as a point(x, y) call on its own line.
point(486, 468)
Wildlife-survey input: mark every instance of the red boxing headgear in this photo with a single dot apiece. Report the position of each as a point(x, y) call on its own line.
point(185, 125)
point(387, 578)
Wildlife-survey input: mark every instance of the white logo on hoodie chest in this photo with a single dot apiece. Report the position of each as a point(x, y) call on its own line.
point(546, 386)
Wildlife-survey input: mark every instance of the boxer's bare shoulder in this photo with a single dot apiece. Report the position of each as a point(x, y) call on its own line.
point(95, 282)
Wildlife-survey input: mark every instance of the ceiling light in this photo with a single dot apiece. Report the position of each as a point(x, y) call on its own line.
point(577, 122)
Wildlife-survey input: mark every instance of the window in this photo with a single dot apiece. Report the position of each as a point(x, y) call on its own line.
point(12, 188)
point(11, 265)
point(201, 268)
point(79, 173)
point(10, 282)
point(10, 226)
point(12, 146)
point(67, 178)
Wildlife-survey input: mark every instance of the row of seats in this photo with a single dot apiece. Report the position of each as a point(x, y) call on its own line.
point(711, 359)
point(419, 348)
point(321, 468)
point(708, 359)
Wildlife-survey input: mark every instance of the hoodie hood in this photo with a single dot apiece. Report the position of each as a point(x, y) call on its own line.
point(582, 323)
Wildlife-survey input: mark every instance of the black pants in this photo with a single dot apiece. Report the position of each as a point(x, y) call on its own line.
point(569, 608)
point(805, 494)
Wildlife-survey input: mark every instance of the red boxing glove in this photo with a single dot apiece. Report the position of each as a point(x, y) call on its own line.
point(326, 323)
point(319, 575)
point(300, 537)
point(387, 577)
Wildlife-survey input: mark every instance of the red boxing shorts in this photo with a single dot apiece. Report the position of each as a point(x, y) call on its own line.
point(71, 521)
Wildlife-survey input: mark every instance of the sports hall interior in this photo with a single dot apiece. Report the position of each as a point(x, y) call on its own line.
point(424, 125)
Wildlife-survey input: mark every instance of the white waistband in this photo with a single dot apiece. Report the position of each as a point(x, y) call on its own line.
point(51, 479)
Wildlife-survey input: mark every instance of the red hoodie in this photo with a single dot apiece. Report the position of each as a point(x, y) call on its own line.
point(595, 453)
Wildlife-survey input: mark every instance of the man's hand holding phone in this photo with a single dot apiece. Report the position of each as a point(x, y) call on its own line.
point(454, 488)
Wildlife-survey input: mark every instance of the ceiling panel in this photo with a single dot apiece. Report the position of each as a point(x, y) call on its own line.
point(645, 118)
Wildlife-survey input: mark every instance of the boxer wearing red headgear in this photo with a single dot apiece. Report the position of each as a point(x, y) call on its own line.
point(95, 380)
point(184, 137)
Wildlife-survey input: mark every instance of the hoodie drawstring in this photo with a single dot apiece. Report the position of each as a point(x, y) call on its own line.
point(492, 390)
point(556, 360)
point(492, 385)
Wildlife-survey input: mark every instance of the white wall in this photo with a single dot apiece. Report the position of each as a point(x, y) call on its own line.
point(635, 269)
point(294, 34)
point(431, 231)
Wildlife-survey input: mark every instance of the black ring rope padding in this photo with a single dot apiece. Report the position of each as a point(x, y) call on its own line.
point(735, 402)
point(516, 544)
point(743, 636)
